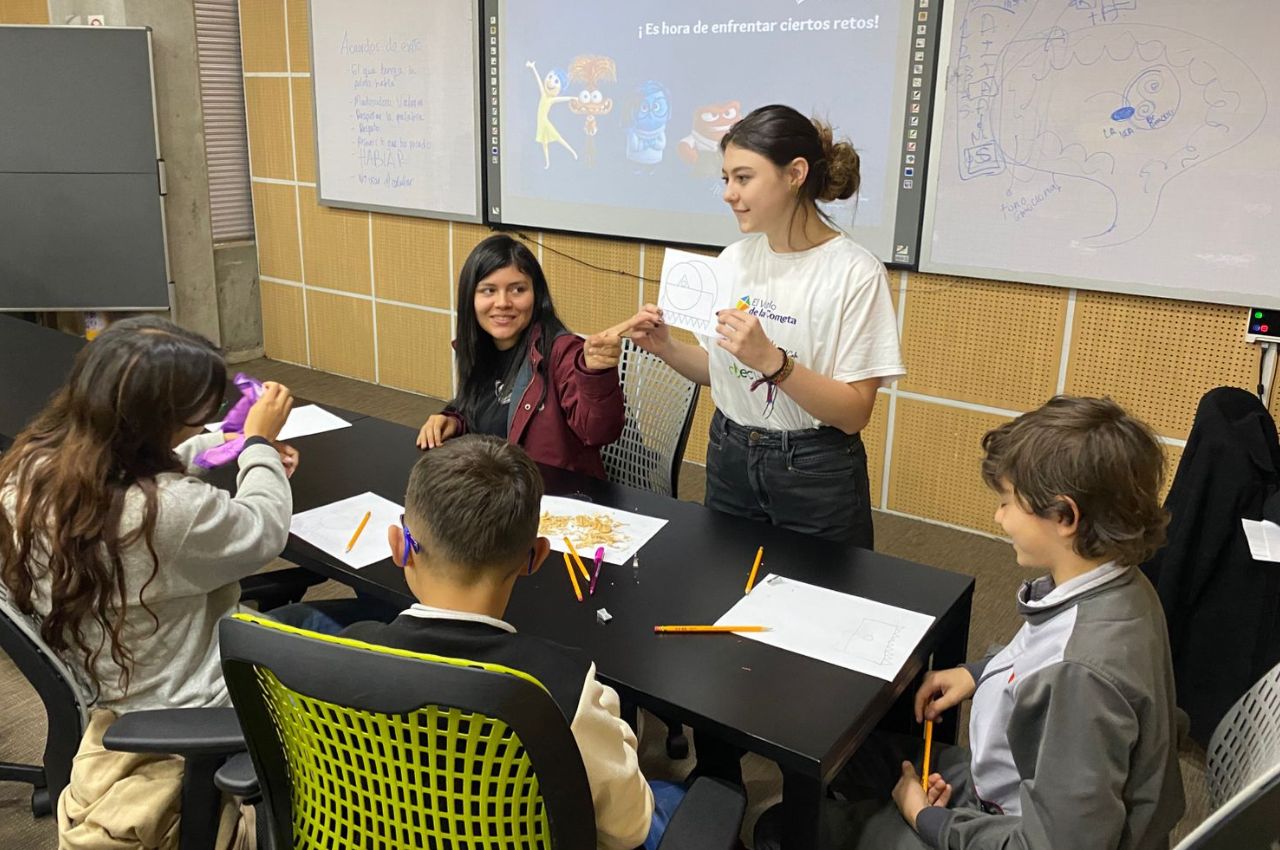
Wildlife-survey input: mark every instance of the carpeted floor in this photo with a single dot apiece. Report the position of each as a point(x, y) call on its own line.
point(990, 561)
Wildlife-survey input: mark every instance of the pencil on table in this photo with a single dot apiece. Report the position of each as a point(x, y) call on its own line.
point(573, 577)
point(751, 579)
point(928, 745)
point(586, 576)
point(359, 528)
point(660, 630)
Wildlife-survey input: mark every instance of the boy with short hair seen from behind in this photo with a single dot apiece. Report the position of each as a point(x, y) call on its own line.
point(1073, 730)
point(470, 530)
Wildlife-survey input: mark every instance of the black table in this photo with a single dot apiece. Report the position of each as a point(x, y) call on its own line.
point(806, 715)
point(34, 361)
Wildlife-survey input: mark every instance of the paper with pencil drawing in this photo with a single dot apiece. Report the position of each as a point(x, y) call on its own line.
point(692, 289)
point(330, 527)
point(587, 525)
point(303, 422)
point(848, 631)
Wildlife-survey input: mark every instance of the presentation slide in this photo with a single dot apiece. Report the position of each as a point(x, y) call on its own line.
point(606, 118)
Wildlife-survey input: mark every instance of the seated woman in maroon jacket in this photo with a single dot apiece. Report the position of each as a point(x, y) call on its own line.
point(522, 374)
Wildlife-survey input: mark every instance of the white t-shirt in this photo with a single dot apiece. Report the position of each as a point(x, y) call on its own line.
point(829, 307)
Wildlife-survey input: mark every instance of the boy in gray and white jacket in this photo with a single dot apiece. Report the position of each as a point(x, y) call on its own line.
point(1072, 728)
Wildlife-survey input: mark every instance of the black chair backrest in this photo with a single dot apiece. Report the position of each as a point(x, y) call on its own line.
point(64, 704)
point(385, 743)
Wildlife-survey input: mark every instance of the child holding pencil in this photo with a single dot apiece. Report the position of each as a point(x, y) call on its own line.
point(1072, 729)
point(522, 375)
point(470, 530)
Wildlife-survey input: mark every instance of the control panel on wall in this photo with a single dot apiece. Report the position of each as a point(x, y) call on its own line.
point(1264, 325)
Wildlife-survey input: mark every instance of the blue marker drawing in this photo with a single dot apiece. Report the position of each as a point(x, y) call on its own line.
point(1034, 80)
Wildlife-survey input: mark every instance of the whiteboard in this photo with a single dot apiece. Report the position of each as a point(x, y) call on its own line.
point(397, 110)
point(1122, 145)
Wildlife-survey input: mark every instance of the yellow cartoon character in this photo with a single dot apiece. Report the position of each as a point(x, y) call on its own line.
point(591, 71)
point(549, 94)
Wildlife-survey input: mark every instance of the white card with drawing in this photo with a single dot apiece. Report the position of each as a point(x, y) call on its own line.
point(693, 288)
point(848, 631)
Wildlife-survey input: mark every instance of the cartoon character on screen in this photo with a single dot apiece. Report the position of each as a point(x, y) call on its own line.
point(591, 102)
point(701, 148)
point(549, 89)
point(648, 112)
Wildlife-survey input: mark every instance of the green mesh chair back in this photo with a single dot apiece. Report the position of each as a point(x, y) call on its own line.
point(366, 746)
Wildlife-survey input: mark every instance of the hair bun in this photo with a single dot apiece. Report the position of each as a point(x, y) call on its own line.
point(843, 166)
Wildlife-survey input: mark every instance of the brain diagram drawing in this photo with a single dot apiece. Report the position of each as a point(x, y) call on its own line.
point(1127, 106)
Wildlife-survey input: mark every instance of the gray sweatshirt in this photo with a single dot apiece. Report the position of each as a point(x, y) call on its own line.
point(206, 540)
point(1072, 728)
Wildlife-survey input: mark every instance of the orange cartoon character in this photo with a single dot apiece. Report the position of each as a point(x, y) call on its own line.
point(591, 71)
point(701, 148)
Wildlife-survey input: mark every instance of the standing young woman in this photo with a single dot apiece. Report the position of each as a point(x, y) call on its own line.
point(794, 379)
point(522, 375)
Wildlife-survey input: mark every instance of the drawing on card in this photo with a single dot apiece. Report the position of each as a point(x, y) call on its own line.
point(1082, 89)
point(873, 640)
point(692, 290)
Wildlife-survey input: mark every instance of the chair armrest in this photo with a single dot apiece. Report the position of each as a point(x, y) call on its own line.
point(177, 731)
point(709, 817)
point(277, 587)
point(237, 776)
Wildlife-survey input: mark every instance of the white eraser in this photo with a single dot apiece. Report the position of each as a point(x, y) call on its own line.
point(603, 616)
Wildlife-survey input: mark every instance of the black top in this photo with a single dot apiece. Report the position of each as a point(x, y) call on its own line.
point(1214, 593)
point(561, 670)
point(490, 416)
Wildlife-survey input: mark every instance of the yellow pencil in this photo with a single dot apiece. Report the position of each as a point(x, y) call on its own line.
point(359, 528)
point(751, 579)
point(573, 577)
point(578, 559)
point(928, 745)
point(661, 630)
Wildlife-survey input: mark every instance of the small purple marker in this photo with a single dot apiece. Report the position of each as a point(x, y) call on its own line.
point(596, 575)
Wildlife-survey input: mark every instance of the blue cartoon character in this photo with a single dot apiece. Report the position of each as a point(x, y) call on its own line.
point(548, 95)
point(648, 111)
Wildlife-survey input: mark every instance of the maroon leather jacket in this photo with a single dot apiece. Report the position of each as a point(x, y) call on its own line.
point(581, 411)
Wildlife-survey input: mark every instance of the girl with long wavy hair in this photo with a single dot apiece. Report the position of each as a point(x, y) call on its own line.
point(109, 547)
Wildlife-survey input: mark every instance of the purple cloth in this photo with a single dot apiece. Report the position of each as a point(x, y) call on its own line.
point(250, 391)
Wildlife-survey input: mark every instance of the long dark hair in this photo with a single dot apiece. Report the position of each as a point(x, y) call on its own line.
point(781, 134)
point(108, 429)
point(474, 349)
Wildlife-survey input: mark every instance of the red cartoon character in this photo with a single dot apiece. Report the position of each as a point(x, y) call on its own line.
point(701, 148)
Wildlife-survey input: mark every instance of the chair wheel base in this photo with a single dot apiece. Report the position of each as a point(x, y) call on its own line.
point(40, 803)
point(677, 746)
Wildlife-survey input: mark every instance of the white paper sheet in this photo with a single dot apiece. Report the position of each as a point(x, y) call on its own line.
point(303, 422)
point(632, 530)
point(692, 289)
point(1264, 539)
point(330, 528)
point(848, 631)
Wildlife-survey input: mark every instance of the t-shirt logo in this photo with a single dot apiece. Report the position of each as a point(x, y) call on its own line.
point(744, 303)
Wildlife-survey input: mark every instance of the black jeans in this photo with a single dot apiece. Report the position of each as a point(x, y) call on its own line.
point(812, 481)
